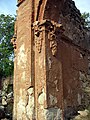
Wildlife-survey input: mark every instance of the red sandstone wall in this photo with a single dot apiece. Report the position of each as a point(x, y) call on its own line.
point(23, 79)
point(66, 13)
point(72, 55)
point(73, 62)
point(63, 74)
point(47, 66)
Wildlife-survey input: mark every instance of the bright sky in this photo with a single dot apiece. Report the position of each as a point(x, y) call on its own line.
point(83, 5)
point(9, 6)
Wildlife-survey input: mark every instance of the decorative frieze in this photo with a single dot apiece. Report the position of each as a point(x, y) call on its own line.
point(52, 28)
point(38, 36)
point(53, 42)
point(52, 36)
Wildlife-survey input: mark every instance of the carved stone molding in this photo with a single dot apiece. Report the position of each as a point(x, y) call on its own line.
point(38, 32)
point(38, 41)
point(53, 43)
point(52, 28)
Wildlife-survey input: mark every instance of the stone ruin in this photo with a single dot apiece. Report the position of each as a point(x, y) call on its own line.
point(6, 98)
point(52, 60)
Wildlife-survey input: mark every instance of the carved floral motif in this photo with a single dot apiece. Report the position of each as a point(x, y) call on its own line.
point(52, 28)
point(53, 42)
point(52, 36)
point(38, 37)
point(38, 42)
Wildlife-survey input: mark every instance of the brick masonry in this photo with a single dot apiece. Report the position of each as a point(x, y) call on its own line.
point(51, 59)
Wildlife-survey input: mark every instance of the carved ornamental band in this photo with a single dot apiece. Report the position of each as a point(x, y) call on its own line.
point(52, 28)
point(38, 35)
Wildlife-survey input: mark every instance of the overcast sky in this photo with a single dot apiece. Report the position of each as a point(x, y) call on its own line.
point(9, 6)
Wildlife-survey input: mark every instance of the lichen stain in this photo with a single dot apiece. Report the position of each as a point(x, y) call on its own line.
point(20, 109)
point(53, 114)
point(30, 105)
point(22, 57)
point(53, 100)
point(42, 97)
point(23, 76)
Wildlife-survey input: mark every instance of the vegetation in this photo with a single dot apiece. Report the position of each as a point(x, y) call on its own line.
point(6, 48)
point(86, 17)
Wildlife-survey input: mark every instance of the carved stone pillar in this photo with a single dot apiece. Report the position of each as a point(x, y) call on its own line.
point(48, 71)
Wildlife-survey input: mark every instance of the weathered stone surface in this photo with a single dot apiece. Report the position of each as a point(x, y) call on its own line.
point(53, 113)
point(6, 99)
point(51, 60)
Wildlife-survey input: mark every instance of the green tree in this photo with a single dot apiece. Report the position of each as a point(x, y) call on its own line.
point(6, 48)
point(86, 17)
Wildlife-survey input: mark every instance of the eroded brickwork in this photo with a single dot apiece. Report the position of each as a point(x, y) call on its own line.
point(51, 59)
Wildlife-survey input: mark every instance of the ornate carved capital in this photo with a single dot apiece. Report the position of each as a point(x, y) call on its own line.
point(38, 35)
point(53, 30)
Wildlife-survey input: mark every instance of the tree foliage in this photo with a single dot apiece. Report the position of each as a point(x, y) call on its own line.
point(6, 48)
point(86, 17)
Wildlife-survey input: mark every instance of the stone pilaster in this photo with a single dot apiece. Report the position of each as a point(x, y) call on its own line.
point(23, 66)
point(48, 71)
